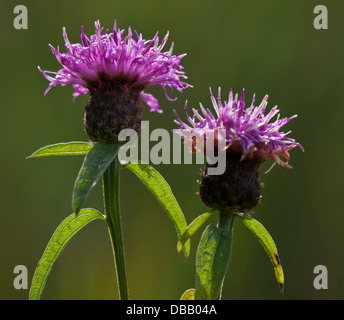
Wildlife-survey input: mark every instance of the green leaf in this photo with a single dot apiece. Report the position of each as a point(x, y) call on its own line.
point(95, 163)
point(64, 232)
point(74, 148)
point(188, 295)
point(192, 228)
point(269, 245)
point(163, 193)
point(212, 260)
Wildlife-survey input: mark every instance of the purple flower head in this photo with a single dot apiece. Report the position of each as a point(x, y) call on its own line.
point(247, 132)
point(112, 59)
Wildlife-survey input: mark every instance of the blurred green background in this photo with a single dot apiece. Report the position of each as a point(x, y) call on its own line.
point(263, 46)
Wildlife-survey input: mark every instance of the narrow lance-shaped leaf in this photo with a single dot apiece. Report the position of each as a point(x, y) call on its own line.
point(95, 163)
point(74, 148)
point(152, 179)
point(212, 260)
point(192, 228)
point(269, 245)
point(64, 232)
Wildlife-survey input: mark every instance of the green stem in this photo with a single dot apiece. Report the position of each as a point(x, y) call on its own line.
point(226, 219)
point(113, 219)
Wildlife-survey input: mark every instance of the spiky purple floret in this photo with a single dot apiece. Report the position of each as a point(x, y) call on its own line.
point(141, 61)
point(247, 131)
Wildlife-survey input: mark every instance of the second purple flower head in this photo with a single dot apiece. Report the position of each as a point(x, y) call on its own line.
point(248, 136)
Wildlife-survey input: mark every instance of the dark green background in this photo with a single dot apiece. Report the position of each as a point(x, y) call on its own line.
point(264, 46)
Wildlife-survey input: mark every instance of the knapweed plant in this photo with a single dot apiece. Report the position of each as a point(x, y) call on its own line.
point(115, 69)
point(246, 137)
